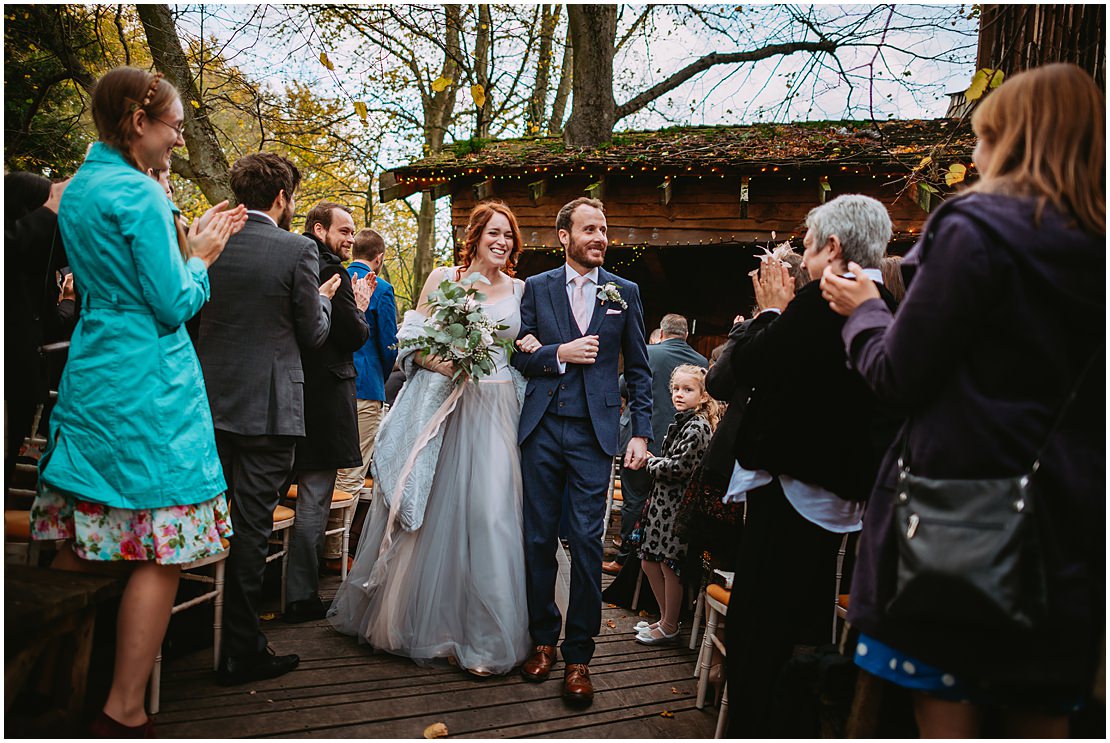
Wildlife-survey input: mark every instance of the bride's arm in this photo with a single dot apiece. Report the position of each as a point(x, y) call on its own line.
point(434, 363)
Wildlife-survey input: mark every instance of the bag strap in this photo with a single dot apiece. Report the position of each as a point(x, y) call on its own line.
point(1067, 405)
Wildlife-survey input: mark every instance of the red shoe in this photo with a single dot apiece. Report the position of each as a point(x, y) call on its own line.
point(105, 727)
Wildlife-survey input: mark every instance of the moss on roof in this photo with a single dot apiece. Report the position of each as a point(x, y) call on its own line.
point(727, 148)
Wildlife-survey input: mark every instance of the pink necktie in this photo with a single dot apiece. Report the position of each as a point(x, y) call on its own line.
point(578, 304)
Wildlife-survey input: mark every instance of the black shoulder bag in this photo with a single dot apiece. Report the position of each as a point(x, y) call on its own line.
point(968, 551)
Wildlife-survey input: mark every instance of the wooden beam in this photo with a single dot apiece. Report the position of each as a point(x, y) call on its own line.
point(925, 195)
point(825, 188)
point(388, 188)
point(441, 190)
point(537, 189)
point(596, 190)
point(483, 189)
point(665, 192)
point(745, 182)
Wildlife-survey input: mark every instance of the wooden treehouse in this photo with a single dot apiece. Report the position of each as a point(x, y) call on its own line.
point(687, 208)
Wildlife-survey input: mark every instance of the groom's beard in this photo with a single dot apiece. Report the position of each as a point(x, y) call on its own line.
point(582, 256)
point(286, 220)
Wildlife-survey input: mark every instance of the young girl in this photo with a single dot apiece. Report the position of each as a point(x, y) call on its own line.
point(662, 552)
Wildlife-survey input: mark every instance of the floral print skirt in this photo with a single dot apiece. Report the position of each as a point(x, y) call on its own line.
point(173, 535)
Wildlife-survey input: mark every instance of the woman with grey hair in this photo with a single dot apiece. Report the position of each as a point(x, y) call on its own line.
point(816, 478)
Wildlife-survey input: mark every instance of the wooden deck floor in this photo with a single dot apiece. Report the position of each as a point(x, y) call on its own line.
point(342, 690)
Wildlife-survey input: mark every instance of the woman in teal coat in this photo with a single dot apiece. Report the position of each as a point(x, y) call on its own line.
point(131, 472)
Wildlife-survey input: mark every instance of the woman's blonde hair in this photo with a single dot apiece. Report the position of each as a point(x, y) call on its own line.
point(710, 409)
point(1046, 129)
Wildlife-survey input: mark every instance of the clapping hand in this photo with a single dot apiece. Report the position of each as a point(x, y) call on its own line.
point(773, 284)
point(327, 289)
point(67, 289)
point(209, 233)
point(529, 344)
point(364, 289)
point(844, 295)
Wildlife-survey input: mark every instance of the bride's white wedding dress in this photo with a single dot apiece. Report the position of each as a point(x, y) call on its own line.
point(454, 588)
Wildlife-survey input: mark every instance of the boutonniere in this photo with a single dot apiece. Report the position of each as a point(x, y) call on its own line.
point(610, 293)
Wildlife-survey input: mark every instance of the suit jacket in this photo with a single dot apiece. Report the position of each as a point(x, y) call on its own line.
point(810, 415)
point(374, 360)
point(545, 313)
point(331, 418)
point(663, 359)
point(265, 308)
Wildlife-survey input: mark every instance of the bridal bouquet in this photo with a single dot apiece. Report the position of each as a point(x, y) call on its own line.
point(458, 330)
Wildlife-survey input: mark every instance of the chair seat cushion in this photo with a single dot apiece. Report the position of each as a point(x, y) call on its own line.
point(718, 593)
point(281, 513)
point(337, 496)
point(17, 526)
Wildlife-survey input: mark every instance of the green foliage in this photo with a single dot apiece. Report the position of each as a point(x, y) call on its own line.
point(471, 146)
point(459, 330)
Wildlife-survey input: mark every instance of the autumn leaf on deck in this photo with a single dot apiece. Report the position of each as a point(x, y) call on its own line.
point(478, 93)
point(643, 613)
point(955, 174)
point(267, 616)
point(611, 624)
point(666, 713)
point(435, 730)
point(983, 80)
point(326, 62)
point(440, 84)
point(612, 606)
point(674, 690)
point(924, 161)
point(360, 109)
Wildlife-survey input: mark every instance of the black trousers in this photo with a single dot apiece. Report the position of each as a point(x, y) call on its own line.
point(257, 470)
point(782, 596)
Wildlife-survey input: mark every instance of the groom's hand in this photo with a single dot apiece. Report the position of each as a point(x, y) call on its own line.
point(635, 457)
point(580, 351)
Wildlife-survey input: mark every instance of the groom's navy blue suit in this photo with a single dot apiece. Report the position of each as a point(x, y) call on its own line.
point(569, 434)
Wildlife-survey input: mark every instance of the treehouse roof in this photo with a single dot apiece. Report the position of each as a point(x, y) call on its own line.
point(893, 146)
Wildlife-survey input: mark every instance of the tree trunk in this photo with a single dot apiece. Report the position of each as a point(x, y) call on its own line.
point(207, 165)
point(482, 44)
point(562, 93)
point(537, 106)
point(593, 31)
point(1016, 37)
point(438, 110)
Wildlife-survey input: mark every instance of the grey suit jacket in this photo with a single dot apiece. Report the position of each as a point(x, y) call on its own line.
point(265, 309)
point(663, 358)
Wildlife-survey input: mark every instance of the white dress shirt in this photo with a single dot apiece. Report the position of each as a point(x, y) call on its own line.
point(590, 291)
point(264, 215)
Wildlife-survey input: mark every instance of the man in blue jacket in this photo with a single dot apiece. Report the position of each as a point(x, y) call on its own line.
point(374, 361)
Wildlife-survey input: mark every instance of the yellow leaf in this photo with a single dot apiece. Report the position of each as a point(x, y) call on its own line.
point(666, 713)
point(196, 104)
point(674, 690)
point(643, 613)
point(435, 730)
point(326, 62)
point(924, 161)
point(360, 109)
point(983, 80)
point(955, 174)
point(440, 84)
point(478, 93)
point(611, 624)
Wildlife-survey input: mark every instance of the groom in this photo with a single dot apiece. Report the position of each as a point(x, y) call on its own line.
point(584, 317)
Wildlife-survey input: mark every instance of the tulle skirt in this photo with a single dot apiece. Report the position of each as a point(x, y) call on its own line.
point(455, 588)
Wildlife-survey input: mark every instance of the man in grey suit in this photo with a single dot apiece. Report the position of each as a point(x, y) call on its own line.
point(664, 356)
point(267, 306)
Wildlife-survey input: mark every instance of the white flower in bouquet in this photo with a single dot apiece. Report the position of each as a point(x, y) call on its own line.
point(459, 331)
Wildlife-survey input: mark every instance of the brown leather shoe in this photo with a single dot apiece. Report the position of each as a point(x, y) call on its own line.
point(578, 690)
point(612, 568)
point(538, 667)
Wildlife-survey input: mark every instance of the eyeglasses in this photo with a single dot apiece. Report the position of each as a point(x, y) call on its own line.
point(180, 128)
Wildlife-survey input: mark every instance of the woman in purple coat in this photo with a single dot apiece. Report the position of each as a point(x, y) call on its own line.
point(1005, 309)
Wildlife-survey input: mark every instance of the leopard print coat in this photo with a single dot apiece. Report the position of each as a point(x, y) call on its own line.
point(683, 448)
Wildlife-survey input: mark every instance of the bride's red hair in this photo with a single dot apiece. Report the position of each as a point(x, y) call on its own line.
point(480, 215)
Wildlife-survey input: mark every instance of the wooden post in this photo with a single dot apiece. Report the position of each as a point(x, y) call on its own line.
point(825, 188)
point(483, 189)
point(665, 192)
point(596, 190)
point(537, 189)
point(745, 182)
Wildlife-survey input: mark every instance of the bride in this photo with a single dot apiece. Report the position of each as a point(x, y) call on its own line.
point(441, 574)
